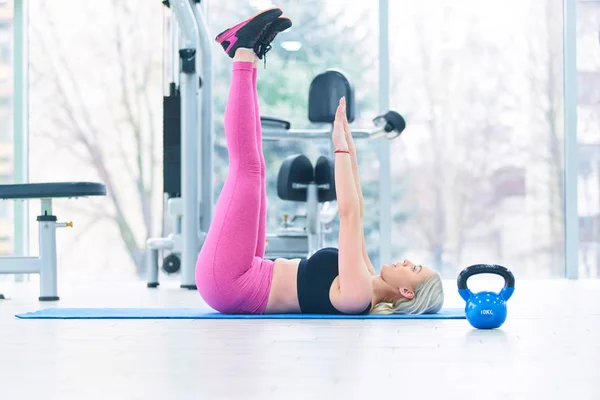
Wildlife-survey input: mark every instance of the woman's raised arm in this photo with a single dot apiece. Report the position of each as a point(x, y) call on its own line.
point(354, 160)
point(355, 289)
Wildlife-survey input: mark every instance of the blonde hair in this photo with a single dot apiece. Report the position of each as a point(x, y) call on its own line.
point(428, 299)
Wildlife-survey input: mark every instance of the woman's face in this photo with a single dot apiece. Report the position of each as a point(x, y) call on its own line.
point(405, 276)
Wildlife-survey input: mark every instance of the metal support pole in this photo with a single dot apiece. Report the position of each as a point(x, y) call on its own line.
point(206, 133)
point(570, 137)
point(189, 143)
point(21, 124)
point(48, 265)
point(385, 194)
point(313, 222)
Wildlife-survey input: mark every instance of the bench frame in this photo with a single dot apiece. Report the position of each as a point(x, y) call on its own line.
point(46, 263)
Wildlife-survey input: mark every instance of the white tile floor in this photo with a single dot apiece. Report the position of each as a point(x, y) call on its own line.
point(549, 348)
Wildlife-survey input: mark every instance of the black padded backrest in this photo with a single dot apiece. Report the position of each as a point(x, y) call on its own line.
point(325, 174)
point(296, 168)
point(324, 95)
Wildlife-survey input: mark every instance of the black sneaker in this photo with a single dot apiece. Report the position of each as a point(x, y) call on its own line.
point(264, 43)
point(247, 33)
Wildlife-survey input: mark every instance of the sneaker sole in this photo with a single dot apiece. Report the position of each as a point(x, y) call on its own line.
point(245, 23)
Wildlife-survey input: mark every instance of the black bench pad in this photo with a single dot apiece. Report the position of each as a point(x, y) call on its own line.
point(52, 190)
point(274, 122)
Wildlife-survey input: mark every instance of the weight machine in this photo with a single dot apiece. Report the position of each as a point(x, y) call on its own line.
point(188, 115)
point(300, 235)
point(188, 111)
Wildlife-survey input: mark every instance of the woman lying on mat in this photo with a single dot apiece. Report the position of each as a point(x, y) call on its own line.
point(232, 275)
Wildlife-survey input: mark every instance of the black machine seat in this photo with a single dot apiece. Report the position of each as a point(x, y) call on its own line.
point(274, 122)
point(52, 190)
point(297, 172)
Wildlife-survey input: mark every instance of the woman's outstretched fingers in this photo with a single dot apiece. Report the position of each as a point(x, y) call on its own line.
point(339, 114)
point(338, 134)
point(345, 119)
point(347, 128)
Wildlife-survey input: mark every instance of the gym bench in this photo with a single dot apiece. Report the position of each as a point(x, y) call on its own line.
point(45, 263)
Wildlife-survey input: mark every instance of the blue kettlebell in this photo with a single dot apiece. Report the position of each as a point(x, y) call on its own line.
point(486, 310)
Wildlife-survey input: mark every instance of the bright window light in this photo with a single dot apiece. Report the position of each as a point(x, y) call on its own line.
point(291, 45)
point(261, 4)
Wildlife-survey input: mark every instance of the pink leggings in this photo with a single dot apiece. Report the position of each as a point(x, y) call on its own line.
point(232, 275)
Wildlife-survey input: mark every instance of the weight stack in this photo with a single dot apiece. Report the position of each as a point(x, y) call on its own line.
point(172, 143)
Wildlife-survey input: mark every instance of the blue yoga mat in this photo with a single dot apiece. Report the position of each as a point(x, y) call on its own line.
point(198, 313)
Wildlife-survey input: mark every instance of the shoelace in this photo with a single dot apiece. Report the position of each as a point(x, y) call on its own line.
point(261, 48)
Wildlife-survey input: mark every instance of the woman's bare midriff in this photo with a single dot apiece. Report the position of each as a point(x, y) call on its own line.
point(283, 297)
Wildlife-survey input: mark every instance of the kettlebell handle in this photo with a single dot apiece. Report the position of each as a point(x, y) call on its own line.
point(509, 278)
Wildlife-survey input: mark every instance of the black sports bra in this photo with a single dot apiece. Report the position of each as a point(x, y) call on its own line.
point(315, 276)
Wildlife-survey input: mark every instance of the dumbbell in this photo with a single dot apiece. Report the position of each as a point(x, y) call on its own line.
point(391, 122)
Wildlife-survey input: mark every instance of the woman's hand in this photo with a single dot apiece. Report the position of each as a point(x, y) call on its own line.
point(352, 149)
point(347, 131)
point(339, 135)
